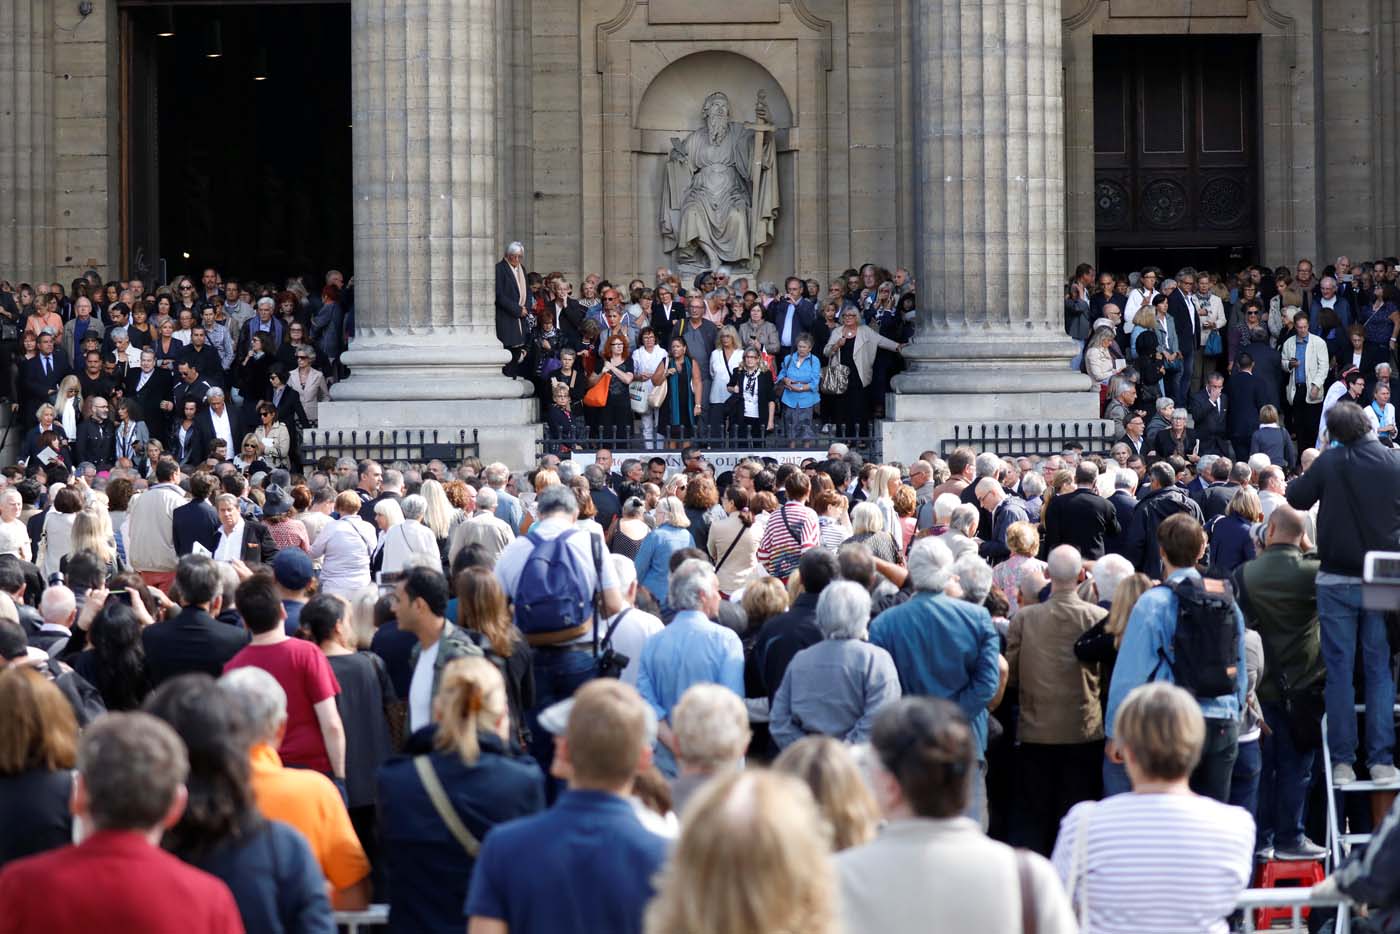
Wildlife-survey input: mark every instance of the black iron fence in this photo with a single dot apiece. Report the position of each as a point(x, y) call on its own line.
point(1024, 440)
point(721, 447)
point(415, 447)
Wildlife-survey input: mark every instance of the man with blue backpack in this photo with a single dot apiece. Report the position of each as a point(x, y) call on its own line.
point(553, 577)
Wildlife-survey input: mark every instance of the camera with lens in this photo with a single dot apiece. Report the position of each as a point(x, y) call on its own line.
point(611, 663)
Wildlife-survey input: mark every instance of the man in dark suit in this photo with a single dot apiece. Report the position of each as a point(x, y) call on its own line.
point(1124, 501)
point(792, 315)
point(1186, 322)
point(220, 418)
point(149, 387)
point(205, 356)
point(667, 316)
point(1268, 367)
point(190, 385)
point(1081, 517)
point(42, 374)
point(1210, 410)
point(1214, 498)
point(512, 305)
point(1247, 396)
point(196, 521)
point(193, 641)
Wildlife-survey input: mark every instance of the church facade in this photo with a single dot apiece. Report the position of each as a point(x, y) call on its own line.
point(988, 146)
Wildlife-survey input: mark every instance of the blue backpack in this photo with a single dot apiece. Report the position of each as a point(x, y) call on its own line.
point(553, 597)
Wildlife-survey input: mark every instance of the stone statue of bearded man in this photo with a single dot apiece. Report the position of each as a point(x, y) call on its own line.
point(720, 195)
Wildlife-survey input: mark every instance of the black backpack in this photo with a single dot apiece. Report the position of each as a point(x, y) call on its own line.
point(1206, 644)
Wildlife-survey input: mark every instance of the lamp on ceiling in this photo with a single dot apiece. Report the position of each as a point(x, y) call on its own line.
point(214, 48)
point(165, 26)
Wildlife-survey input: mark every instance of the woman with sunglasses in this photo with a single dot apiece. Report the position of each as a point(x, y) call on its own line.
point(273, 436)
point(309, 382)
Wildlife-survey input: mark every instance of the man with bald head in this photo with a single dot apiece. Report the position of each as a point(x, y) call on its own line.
point(1061, 727)
point(1278, 593)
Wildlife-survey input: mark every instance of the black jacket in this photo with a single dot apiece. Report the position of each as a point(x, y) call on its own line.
point(195, 448)
point(97, 443)
point(510, 327)
point(779, 639)
point(257, 546)
point(1211, 426)
point(1081, 518)
point(1247, 395)
point(194, 522)
point(1141, 545)
point(191, 642)
point(36, 386)
point(1359, 513)
point(804, 320)
point(735, 404)
point(1214, 499)
point(1123, 503)
point(1164, 444)
point(156, 391)
point(1185, 323)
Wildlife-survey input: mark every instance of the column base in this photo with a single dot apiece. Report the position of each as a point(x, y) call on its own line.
point(1009, 393)
point(445, 380)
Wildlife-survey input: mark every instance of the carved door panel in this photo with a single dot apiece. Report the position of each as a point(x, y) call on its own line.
point(1176, 145)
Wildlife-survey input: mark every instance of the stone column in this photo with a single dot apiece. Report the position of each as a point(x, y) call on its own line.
point(26, 145)
point(425, 355)
point(990, 229)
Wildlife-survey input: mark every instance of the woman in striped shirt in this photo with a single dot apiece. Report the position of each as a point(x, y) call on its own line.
point(1162, 858)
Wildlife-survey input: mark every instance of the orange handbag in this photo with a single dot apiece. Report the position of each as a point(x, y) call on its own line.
point(597, 397)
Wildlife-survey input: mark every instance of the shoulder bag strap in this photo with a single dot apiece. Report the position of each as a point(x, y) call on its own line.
point(730, 550)
point(796, 536)
point(1030, 921)
point(438, 796)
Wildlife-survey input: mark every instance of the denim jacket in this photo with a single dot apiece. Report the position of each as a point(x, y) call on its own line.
point(809, 371)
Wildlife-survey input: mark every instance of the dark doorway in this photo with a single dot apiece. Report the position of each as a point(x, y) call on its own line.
point(240, 161)
point(1176, 151)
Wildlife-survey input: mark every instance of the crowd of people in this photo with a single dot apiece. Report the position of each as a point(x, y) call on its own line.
point(726, 356)
point(1079, 690)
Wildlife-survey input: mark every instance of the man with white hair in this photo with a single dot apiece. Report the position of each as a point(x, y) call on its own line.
point(691, 650)
point(483, 527)
point(974, 578)
point(1271, 490)
point(58, 607)
point(934, 516)
point(219, 419)
point(921, 479)
point(837, 451)
point(1005, 511)
point(836, 687)
point(496, 476)
point(14, 534)
point(961, 537)
point(1110, 571)
point(944, 647)
point(628, 630)
point(1060, 754)
point(711, 726)
point(512, 304)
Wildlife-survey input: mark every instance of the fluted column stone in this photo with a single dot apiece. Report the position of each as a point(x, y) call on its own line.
point(990, 228)
point(425, 355)
point(26, 145)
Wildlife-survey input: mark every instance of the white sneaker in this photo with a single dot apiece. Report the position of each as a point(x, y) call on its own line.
point(1304, 850)
point(1343, 773)
point(1385, 774)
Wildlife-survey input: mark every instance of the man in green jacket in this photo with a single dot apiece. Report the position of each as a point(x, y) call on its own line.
point(421, 597)
point(1278, 593)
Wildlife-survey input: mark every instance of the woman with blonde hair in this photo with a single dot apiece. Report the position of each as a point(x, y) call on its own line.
point(92, 531)
point(884, 480)
point(1023, 539)
point(68, 403)
point(753, 858)
point(829, 769)
point(868, 526)
point(1230, 541)
point(727, 357)
point(466, 753)
point(653, 559)
point(440, 517)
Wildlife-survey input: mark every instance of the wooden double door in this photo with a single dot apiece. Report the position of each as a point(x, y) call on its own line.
point(1176, 151)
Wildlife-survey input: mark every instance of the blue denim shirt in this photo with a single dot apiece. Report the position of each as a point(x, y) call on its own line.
point(809, 371)
point(1151, 628)
point(653, 559)
point(692, 650)
point(944, 648)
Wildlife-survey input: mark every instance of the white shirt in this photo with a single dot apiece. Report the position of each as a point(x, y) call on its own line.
point(409, 537)
point(634, 628)
point(719, 373)
point(644, 362)
point(748, 384)
point(230, 546)
point(344, 545)
point(222, 428)
point(420, 689)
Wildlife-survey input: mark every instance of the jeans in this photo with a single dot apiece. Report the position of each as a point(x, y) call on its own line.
point(1344, 623)
point(558, 674)
point(1181, 390)
point(1244, 778)
point(1212, 776)
point(797, 423)
point(1284, 778)
point(1115, 778)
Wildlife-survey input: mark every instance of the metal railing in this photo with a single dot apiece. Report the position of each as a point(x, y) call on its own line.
point(415, 447)
point(866, 443)
point(1296, 899)
point(1038, 438)
point(355, 922)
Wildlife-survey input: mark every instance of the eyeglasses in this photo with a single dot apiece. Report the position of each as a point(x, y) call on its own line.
point(299, 357)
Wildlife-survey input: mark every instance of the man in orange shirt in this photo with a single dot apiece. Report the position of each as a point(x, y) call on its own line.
point(306, 799)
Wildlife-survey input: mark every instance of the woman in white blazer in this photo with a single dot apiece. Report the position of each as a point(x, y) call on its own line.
point(854, 345)
point(309, 383)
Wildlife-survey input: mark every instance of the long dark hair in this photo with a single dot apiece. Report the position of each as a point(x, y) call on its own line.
point(216, 733)
point(121, 660)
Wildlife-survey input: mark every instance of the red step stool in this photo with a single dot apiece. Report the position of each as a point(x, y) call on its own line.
point(1303, 873)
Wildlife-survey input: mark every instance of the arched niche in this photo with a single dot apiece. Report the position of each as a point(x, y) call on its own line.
point(673, 99)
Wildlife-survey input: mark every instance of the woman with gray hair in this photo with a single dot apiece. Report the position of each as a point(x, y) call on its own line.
point(653, 559)
point(836, 687)
point(868, 526)
point(408, 537)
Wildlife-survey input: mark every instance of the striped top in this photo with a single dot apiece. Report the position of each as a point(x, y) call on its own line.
point(778, 550)
point(1165, 863)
